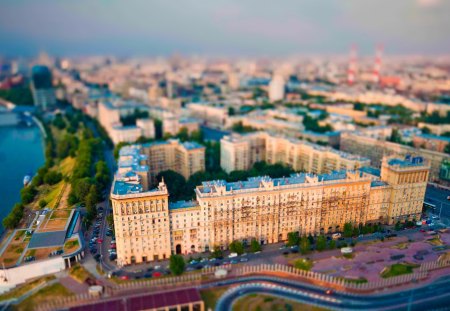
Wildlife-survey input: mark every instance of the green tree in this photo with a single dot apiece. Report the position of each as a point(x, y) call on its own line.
point(183, 134)
point(398, 226)
point(305, 245)
point(293, 239)
point(237, 247)
point(447, 149)
point(176, 264)
point(217, 252)
point(332, 244)
point(52, 177)
point(255, 246)
point(176, 184)
point(321, 243)
point(311, 239)
point(42, 203)
point(197, 136)
point(426, 130)
point(348, 229)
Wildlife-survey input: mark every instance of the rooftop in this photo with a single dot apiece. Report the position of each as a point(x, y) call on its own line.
point(370, 170)
point(47, 239)
point(429, 136)
point(122, 187)
point(182, 204)
point(257, 182)
point(408, 161)
point(191, 145)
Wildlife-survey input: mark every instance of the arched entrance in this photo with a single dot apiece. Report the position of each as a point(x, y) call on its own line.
point(192, 248)
point(178, 249)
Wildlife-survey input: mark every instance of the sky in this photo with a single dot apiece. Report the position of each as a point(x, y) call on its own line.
point(223, 27)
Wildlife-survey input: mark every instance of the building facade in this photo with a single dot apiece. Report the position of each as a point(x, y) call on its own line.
point(376, 148)
point(148, 227)
point(240, 152)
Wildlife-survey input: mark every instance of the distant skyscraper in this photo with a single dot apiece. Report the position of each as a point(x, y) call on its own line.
point(42, 87)
point(276, 88)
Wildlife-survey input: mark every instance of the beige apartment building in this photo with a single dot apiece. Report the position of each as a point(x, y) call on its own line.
point(376, 148)
point(240, 152)
point(148, 227)
point(184, 158)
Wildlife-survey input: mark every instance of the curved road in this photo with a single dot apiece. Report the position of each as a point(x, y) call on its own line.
point(432, 296)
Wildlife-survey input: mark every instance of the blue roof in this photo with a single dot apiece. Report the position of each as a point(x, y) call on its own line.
point(370, 170)
point(182, 204)
point(123, 187)
point(429, 136)
point(378, 183)
point(407, 161)
point(190, 145)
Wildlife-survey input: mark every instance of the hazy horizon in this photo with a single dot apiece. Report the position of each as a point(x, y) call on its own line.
point(223, 28)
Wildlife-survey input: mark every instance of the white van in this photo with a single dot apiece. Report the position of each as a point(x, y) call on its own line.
point(232, 255)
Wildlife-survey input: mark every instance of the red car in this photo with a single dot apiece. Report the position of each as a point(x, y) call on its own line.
point(329, 292)
point(422, 230)
point(100, 241)
point(113, 246)
point(124, 277)
point(156, 274)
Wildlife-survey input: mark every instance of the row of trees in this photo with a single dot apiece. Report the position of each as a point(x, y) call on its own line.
point(89, 180)
point(180, 189)
point(351, 230)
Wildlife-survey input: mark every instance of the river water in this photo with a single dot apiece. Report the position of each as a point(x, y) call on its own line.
point(21, 153)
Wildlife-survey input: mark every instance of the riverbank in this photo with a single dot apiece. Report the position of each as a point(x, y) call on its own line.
point(21, 153)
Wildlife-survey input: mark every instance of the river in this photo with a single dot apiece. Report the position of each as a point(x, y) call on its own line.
point(21, 153)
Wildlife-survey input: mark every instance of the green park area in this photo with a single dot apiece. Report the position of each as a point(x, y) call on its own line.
point(44, 295)
point(74, 172)
point(25, 288)
point(398, 269)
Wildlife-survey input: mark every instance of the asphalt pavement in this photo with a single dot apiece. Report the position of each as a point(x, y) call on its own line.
point(428, 297)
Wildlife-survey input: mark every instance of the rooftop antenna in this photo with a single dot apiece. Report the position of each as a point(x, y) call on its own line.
point(377, 65)
point(351, 71)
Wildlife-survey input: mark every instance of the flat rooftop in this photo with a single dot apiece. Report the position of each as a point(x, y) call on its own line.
point(182, 204)
point(255, 182)
point(47, 239)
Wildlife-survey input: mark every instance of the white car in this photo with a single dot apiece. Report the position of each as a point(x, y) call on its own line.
point(232, 255)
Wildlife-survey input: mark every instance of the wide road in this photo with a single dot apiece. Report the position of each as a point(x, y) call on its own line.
point(432, 296)
point(110, 162)
point(438, 197)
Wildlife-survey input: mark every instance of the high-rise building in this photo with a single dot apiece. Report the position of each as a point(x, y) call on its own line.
point(42, 87)
point(148, 227)
point(240, 152)
point(276, 88)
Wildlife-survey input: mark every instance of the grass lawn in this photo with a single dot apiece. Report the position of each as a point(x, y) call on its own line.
point(403, 245)
point(357, 281)
point(46, 294)
point(66, 166)
point(256, 302)
point(210, 296)
point(303, 264)
point(21, 290)
point(61, 213)
point(19, 235)
point(398, 269)
point(79, 273)
point(71, 246)
point(436, 241)
point(12, 253)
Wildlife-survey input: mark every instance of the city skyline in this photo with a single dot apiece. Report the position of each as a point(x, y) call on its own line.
point(223, 29)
